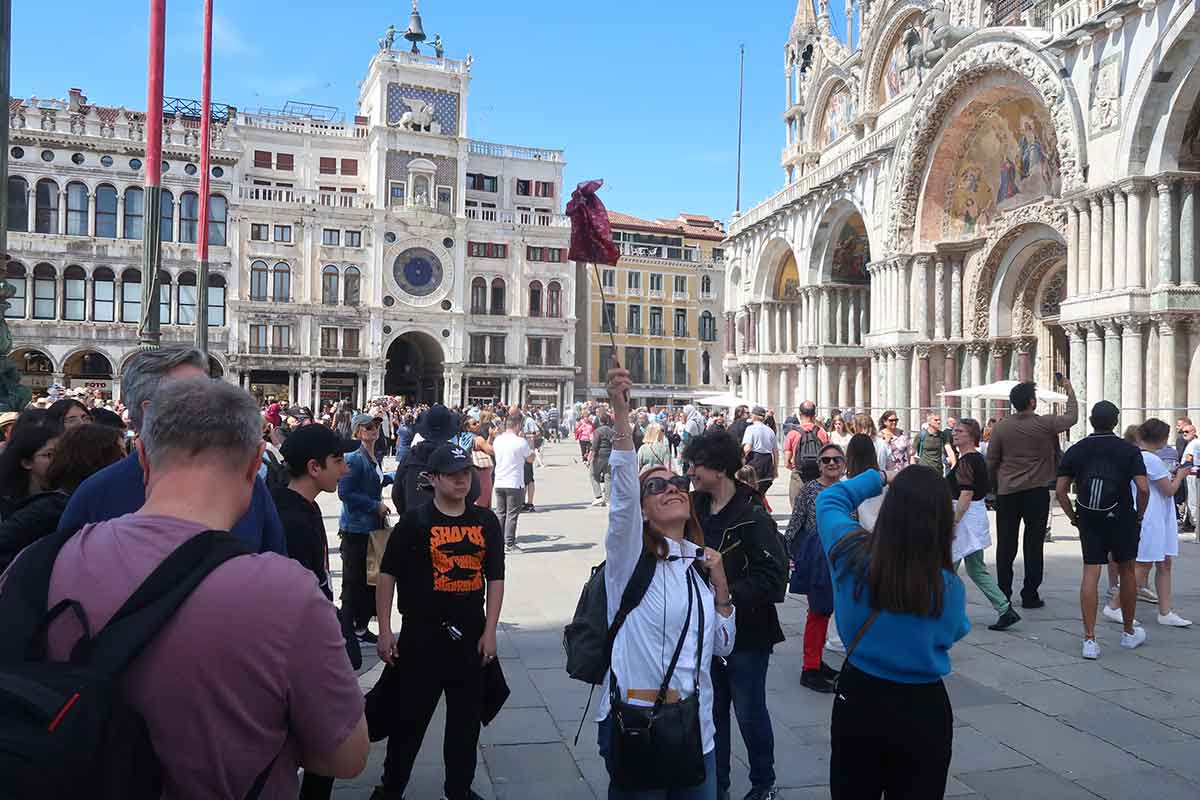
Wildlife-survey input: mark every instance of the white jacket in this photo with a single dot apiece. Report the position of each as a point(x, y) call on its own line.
point(644, 645)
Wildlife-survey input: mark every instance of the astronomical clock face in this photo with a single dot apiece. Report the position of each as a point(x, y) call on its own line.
point(418, 271)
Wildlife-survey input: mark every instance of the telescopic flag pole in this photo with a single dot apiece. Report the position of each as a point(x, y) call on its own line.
point(149, 333)
point(202, 234)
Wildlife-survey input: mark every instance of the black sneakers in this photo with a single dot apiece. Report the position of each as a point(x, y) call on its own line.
point(1006, 621)
point(816, 680)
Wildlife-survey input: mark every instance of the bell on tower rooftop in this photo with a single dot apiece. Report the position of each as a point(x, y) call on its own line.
point(415, 33)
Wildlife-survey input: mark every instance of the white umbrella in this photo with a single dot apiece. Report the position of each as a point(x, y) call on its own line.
point(1000, 390)
point(722, 400)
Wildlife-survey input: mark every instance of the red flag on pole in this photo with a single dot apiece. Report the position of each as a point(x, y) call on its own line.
point(591, 234)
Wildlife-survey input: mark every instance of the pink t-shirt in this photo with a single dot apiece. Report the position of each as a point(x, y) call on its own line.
point(252, 665)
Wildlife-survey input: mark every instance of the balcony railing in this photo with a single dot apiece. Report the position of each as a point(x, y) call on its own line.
point(656, 330)
point(532, 219)
point(419, 60)
point(1063, 17)
point(275, 350)
point(478, 148)
point(634, 329)
point(274, 195)
point(303, 125)
point(350, 352)
point(329, 352)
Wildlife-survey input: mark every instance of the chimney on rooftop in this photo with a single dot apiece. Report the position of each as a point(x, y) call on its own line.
point(76, 99)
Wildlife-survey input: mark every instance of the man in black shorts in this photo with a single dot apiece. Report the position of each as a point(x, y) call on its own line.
point(1102, 467)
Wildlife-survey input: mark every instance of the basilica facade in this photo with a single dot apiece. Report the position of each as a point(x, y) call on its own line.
point(978, 191)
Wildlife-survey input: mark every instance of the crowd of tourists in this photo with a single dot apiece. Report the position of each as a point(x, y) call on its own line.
point(178, 545)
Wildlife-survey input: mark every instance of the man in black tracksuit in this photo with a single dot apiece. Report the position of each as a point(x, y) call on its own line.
point(736, 523)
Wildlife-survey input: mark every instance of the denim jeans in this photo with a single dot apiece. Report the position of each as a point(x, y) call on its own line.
point(742, 680)
point(705, 791)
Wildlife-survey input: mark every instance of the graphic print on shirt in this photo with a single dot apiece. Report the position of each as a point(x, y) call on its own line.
point(457, 553)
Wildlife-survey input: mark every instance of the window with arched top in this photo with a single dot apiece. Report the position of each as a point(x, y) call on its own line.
point(77, 208)
point(164, 297)
point(554, 300)
point(708, 327)
point(45, 217)
point(217, 214)
point(16, 277)
point(706, 285)
point(329, 286)
point(479, 296)
point(535, 299)
point(353, 287)
point(258, 280)
point(281, 282)
point(45, 291)
point(499, 305)
point(135, 214)
point(189, 217)
point(106, 211)
point(18, 203)
point(104, 299)
point(216, 301)
point(186, 306)
point(167, 232)
point(74, 293)
point(131, 295)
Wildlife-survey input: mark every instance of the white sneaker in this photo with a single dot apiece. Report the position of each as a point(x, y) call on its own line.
point(1131, 640)
point(599, 501)
point(1173, 620)
point(1147, 594)
point(1114, 615)
point(1091, 650)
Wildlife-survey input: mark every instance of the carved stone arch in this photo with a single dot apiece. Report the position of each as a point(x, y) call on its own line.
point(1147, 144)
point(880, 45)
point(771, 259)
point(733, 286)
point(837, 210)
point(975, 57)
point(818, 101)
point(1017, 230)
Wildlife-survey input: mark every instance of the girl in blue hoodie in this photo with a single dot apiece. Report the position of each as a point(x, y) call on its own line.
point(900, 608)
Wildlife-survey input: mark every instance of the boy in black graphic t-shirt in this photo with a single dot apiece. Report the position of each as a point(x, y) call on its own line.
point(439, 559)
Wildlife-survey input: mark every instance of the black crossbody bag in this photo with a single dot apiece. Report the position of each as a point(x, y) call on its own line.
point(660, 747)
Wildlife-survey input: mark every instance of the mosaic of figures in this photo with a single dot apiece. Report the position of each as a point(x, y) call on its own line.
point(839, 112)
point(898, 76)
point(1010, 158)
point(851, 252)
point(788, 285)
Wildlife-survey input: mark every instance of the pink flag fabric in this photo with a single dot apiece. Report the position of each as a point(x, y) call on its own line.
point(591, 234)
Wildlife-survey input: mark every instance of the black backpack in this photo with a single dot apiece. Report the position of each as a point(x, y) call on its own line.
point(278, 475)
point(66, 732)
point(1102, 488)
point(808, 452)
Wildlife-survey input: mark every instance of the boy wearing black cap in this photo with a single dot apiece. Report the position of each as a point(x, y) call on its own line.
point(440, 556)
point(1108, 516)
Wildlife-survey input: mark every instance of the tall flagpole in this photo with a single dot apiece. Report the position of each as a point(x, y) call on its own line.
point(741, 87)
point(202, 238)
point(148, 325)
point(13, 396)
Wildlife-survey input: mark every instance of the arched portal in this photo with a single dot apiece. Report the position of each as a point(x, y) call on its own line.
point(415, 363)
point(36, 368)
point(89, 369)
point(841, 248)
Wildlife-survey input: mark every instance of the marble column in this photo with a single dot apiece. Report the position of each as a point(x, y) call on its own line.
point(837, 301)
point(1106, 242)
point(847, 303)
point(940, 328)
point(843, 374)
point(1132, 371)
point(956, 298)
point(978, 354)
point(1112, 361)
point(792, 342)
point(810, 379)
point(889, 374)
point(1167, 396)
point(783, 402)
point(1077, 339)
point(1025, 360)
point(1085, 248)
point(1135, 238)
point(950, 381)
point(1120, 247)
point(861, 401)
point(1096, 262)
point(1072, 251)
point(924, 391)
point(1095, 364)
point(904, 295)
point(1000, 353)
point(1187, 233)
point(1166, 233)
point(824, 334)
point(920, 290)
point(825, 387)
point(856, 310)
point(904, 397)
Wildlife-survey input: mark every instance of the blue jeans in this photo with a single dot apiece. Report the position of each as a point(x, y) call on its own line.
point(705, 791)
point(742, 679)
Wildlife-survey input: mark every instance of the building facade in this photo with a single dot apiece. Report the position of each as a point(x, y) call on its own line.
point(662, 302)
point(389, 254)
point(978, 191)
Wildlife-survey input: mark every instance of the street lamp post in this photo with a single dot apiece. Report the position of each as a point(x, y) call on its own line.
point(148, 325)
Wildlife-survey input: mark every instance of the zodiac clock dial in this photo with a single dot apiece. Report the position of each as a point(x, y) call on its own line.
point(418, 271)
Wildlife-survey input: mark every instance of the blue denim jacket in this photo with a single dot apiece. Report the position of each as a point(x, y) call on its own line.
point(360, 491)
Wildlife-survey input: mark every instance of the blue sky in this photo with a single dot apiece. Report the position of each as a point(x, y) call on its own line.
point(642, 94)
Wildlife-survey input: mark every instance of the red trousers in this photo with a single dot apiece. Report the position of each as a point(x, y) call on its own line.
point(815, 628)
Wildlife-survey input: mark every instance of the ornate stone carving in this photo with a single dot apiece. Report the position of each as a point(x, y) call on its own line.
point(1049, 258)
point(923, 350)
point(948, 82)
point(1009, 227)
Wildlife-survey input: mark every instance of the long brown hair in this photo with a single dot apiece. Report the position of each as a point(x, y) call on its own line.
point(899, 564)
point(653, 540)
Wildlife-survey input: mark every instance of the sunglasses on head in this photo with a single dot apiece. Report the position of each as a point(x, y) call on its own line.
point(656, 485)
point(827, 460)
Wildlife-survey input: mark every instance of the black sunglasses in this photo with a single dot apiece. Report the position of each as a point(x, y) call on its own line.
point(654, 486)
point(831, 460)
point(892, 419)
